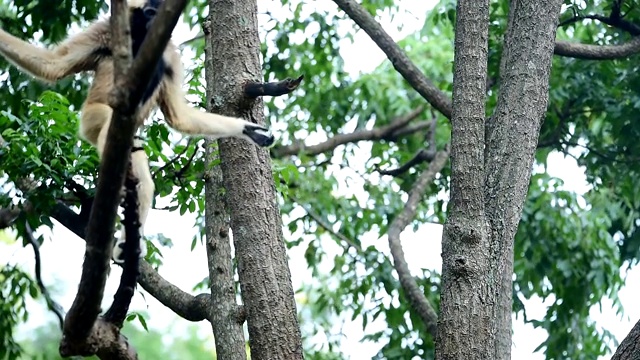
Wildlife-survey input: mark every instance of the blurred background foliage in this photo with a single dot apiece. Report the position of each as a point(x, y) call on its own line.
point(572, 247)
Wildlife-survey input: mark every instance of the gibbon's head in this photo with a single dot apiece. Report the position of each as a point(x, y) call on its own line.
point(148, 7)
point(143, 11)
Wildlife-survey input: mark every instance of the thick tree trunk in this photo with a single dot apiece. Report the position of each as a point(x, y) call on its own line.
point(223, 314)
point(265, 280)
point(490, 174)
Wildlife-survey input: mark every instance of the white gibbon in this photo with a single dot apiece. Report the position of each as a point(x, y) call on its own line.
point(90, 51)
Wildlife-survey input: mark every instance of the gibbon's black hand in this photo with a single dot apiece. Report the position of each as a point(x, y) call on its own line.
point(259, 134)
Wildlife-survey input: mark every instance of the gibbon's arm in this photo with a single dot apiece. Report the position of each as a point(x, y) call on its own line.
point(186, 119)
point(77, 53)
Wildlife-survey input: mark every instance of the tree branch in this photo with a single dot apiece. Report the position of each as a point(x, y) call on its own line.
point(597, 52)
point(341, 139)
point(130, 83)
point(192, 308)
point(254, 89)
point(416, 296)
point(185, 305)
point(8, 216)
point(122, 299)
point(51, 304)
point(326, 225)
point(86, 306)
point(616, 22)
point(398, 58)
point(422, 155)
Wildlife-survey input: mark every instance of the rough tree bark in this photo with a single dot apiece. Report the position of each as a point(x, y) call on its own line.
point(265, 280)
point(226, 324)
point(466, 298)
point(491, 174)
point(511, 140)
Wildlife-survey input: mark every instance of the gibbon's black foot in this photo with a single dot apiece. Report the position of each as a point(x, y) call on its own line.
point(259, 134)
point(118, 250)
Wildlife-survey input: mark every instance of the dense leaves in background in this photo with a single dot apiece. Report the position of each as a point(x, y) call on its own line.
point(570, 247)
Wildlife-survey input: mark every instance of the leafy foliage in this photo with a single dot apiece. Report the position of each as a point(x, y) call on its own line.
point(15, 286)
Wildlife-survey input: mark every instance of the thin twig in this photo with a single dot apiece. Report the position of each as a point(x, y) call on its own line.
point(325, 224)
point(51, 304)
point(422, 155)
point(174, 159)
point(341, 139)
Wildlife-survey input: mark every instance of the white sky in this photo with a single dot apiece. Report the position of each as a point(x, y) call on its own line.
point(62, 254)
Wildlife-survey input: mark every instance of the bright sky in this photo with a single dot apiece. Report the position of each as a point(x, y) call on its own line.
point(62, 254)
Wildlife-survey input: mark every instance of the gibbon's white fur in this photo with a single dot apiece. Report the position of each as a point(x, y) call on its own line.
point(89, 51)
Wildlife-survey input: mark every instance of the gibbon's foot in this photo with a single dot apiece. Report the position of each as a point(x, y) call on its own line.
point(259, 134)
point(118, 250)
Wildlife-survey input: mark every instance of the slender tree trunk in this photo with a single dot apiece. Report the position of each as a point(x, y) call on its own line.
point(511, 141)
point(224, 312)
point(466, 299)
point(265, 280)
point(490, 174)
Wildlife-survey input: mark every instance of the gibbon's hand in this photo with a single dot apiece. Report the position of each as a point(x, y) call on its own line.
point(259, 134)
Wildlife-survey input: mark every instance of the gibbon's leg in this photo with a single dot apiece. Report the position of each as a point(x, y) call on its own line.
point(182, 117)
point(146, 188)
point(94, 127)
point(76, 54)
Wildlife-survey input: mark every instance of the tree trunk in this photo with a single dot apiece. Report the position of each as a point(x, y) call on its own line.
point(265, 280)
point(489, 188)
point(226, 324)
point(629, 348)
point(466, 298)
point(511, 141)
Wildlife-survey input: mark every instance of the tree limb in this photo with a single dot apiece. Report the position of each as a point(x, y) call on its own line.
point(122, 299)
point(616, 22)
point(421, 156)
point(130, 84)
point(398, 58)
point(8, 216)
point(597, 52)
point(51, 304)
point(254, 89)
point(415, 295)
point(341, 139)
point(187, 306)
point(326, 225)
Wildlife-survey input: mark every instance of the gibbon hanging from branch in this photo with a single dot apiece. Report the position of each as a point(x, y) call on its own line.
point(90, 51)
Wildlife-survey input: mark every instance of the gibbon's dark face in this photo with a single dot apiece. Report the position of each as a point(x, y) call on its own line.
point(141, 18)
point(150, 9)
